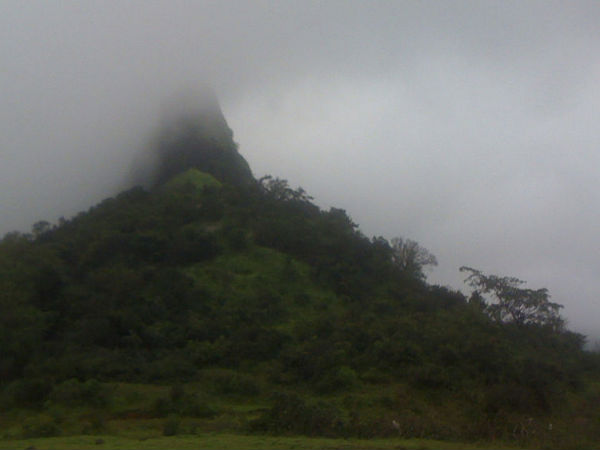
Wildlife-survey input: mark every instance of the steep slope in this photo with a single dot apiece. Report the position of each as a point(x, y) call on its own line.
point(245, 287)
point(192, 133)
point(197, 136)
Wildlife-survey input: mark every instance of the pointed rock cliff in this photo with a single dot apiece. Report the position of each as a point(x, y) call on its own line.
point(195, 134)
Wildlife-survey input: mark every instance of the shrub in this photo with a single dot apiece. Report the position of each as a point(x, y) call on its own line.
point(184, 404)
point(339, 379)
point(429, 376)
point(190, 246)
point(171, 425)
point(171, 367)
point(196, 406)
point(292, 414)
point(227, 382)
point(75, 393)
point(176, 393)
point(509, 398)
point(25, 393)
point(93, 423)
point(236, 238)
point(39, 426)
point(161, 407)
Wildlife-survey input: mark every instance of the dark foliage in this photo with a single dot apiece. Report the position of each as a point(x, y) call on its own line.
point(290, 414)
point(252, 276)
point(203, 140)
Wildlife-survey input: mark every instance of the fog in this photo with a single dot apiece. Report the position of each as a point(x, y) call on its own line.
point(467, 126)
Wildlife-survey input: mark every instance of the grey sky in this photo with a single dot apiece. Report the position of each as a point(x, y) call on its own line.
point(467, 126)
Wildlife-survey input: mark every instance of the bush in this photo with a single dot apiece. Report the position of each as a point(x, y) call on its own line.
point(227, 382)
point(161, 407)
point(196, 406)
point(170, 367)
point(190, 246)
point(183, 404)
point(25, 393)
point(292, 414)
point(339, 379)
point(93, 423)
point(171, 426)
point(236, 238)
point(509, 398)
point(39, 426)
point(75, 393)
point(176, 393)
point(429, 376)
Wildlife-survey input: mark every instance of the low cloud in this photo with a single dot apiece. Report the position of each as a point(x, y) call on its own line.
point(466, 126)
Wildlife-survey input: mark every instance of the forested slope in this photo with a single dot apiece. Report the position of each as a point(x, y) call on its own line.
point(231, 286)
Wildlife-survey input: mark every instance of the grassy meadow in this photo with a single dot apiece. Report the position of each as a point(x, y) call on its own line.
point(217, 412)
point(236, 441)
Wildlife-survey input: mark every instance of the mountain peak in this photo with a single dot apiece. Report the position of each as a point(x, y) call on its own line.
point(194, 134)
point(190, 103)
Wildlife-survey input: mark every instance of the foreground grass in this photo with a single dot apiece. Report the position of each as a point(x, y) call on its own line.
point(237, 441)
point(148, 416)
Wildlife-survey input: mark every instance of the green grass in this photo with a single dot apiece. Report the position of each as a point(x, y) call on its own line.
point(243, 275)
point(237, 441)
point(195, 177)
point(129, 421)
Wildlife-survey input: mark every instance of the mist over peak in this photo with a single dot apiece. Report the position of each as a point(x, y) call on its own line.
point(468, 128)
point(192, 133)
point(197, 103)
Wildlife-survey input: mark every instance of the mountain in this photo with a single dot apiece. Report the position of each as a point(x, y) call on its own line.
point(237, 291)
point(193, 133)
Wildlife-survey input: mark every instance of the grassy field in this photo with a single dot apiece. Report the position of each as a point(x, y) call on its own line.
point(234, 441)
point(216, 412)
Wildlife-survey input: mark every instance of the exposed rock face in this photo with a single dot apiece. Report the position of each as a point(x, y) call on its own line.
point(195, 134)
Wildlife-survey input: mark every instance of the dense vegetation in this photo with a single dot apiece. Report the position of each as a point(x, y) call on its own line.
point(222, 290)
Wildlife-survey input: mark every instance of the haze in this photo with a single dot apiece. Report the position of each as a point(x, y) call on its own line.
point(469, 127)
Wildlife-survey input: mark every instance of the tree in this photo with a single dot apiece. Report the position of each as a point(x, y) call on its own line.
point(40, 228)
point(280, 190)
point(513, 303)
point(410, 257)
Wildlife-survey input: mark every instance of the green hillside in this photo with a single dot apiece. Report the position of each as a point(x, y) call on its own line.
point(214, 302)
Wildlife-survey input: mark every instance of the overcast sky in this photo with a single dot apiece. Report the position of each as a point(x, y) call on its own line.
point(470, 127)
